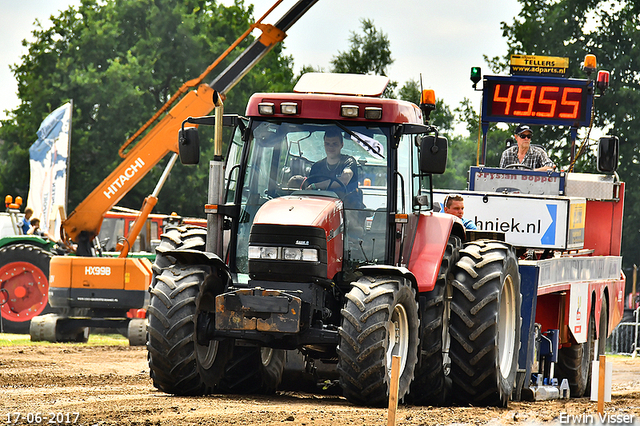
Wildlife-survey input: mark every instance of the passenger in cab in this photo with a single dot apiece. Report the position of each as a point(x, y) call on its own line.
point(454, 205)
point(524, 154)
point(336, 171)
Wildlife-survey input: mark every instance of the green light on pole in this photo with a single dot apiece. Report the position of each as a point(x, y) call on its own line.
point(476, 75)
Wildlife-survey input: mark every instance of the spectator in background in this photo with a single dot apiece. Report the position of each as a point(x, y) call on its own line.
point(35, 228)
point(24, 223)
point(454, 205)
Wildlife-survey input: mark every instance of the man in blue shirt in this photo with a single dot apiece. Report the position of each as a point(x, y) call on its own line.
point(454, 205)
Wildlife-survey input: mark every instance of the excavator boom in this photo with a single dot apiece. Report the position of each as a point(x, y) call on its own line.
point(83, 224)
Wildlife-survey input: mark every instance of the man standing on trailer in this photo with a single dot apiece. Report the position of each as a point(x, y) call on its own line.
point(524, 154)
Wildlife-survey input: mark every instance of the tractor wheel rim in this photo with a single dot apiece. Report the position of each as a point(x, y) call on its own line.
point(24, 287)
point(207, 354)
point(398, 337)
point(265, 356)
point(506, 331)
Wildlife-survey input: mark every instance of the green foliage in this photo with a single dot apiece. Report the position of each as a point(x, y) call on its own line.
point(369, 52)
point(611, 31)
point(120, 60)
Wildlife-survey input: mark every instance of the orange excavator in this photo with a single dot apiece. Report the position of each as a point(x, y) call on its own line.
point(92, 291)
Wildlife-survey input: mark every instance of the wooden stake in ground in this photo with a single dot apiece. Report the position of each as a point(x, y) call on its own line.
point(601, 370)
point(393, 390)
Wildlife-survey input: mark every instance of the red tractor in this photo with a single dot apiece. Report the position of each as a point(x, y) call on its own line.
point(348, 272)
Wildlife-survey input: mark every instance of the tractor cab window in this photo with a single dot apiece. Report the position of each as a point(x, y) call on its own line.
point(280, 161)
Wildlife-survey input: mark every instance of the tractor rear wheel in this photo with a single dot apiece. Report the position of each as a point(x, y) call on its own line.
point(379, 321)
point(485, 324)
point(253, 370)
point(24, 286)
point(432, 384)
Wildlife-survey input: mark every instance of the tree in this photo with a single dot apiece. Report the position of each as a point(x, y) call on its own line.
point(120, 60)
point(611, 31)
point(369, 53)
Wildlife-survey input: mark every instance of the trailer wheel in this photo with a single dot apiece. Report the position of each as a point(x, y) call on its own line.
point(485, 324)
point(178, 364)
point(432, 384)
point(379, 320)
point(137, 332)
point(574, 362)
point(253, 370)
point(24, 286)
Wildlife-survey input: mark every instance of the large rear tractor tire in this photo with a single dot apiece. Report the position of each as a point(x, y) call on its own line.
point(178, 364)
point(253, 370)
point(485, 324)
point(379, 320)
point(24, 286)
point(432, 385)
point(574, 362)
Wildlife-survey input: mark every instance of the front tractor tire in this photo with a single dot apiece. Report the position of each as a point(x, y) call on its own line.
point(379, 320)
point(178, 364)
point(485, 324)
point(24, 286)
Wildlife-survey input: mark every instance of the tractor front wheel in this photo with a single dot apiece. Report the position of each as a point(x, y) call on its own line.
point(379, 321)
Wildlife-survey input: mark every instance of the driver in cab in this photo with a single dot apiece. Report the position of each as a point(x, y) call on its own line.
point(336, 170)
point(524, 154)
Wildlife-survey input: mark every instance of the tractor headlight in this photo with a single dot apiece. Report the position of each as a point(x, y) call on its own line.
point(304, 254)
point(283, 253)
point(266, 253)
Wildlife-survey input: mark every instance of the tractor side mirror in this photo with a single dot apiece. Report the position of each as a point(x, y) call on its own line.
point(189, 145)
point(608, 154)
point(433, 154)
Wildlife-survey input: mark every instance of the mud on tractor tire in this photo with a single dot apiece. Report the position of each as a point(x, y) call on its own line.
point(432, 385)
point(485, 324)
point(379, 320)
point(24, 287)
point(177, 363)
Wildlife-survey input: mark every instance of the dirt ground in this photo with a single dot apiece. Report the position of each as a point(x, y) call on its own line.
point(110, 385)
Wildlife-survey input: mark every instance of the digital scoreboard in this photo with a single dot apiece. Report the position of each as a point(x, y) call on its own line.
point(537, 100)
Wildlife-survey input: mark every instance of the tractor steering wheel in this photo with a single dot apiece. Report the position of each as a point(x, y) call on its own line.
point(518, 166)
point(331, 179)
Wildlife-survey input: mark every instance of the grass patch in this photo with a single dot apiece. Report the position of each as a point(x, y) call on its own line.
point(7, 339)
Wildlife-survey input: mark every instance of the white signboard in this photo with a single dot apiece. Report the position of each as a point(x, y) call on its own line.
point(578, 313)
point(527, 220)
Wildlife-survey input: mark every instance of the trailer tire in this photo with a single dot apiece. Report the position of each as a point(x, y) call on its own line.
point(485, 324)
point(25, 295)
point(253, 370)
point(177, 363)
point(378, 311)
point(574, 362)
point(432, 385)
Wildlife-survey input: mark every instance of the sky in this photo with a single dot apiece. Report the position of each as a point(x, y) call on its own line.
point(440, 40)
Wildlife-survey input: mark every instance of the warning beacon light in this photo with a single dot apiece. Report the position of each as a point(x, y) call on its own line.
point(589, 64)
point(603, 81)
point(427, 102)
point(476, 76)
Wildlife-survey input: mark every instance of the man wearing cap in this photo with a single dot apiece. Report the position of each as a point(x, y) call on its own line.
point(524, 154)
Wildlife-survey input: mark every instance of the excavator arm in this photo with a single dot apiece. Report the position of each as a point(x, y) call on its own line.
point(84, 223)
